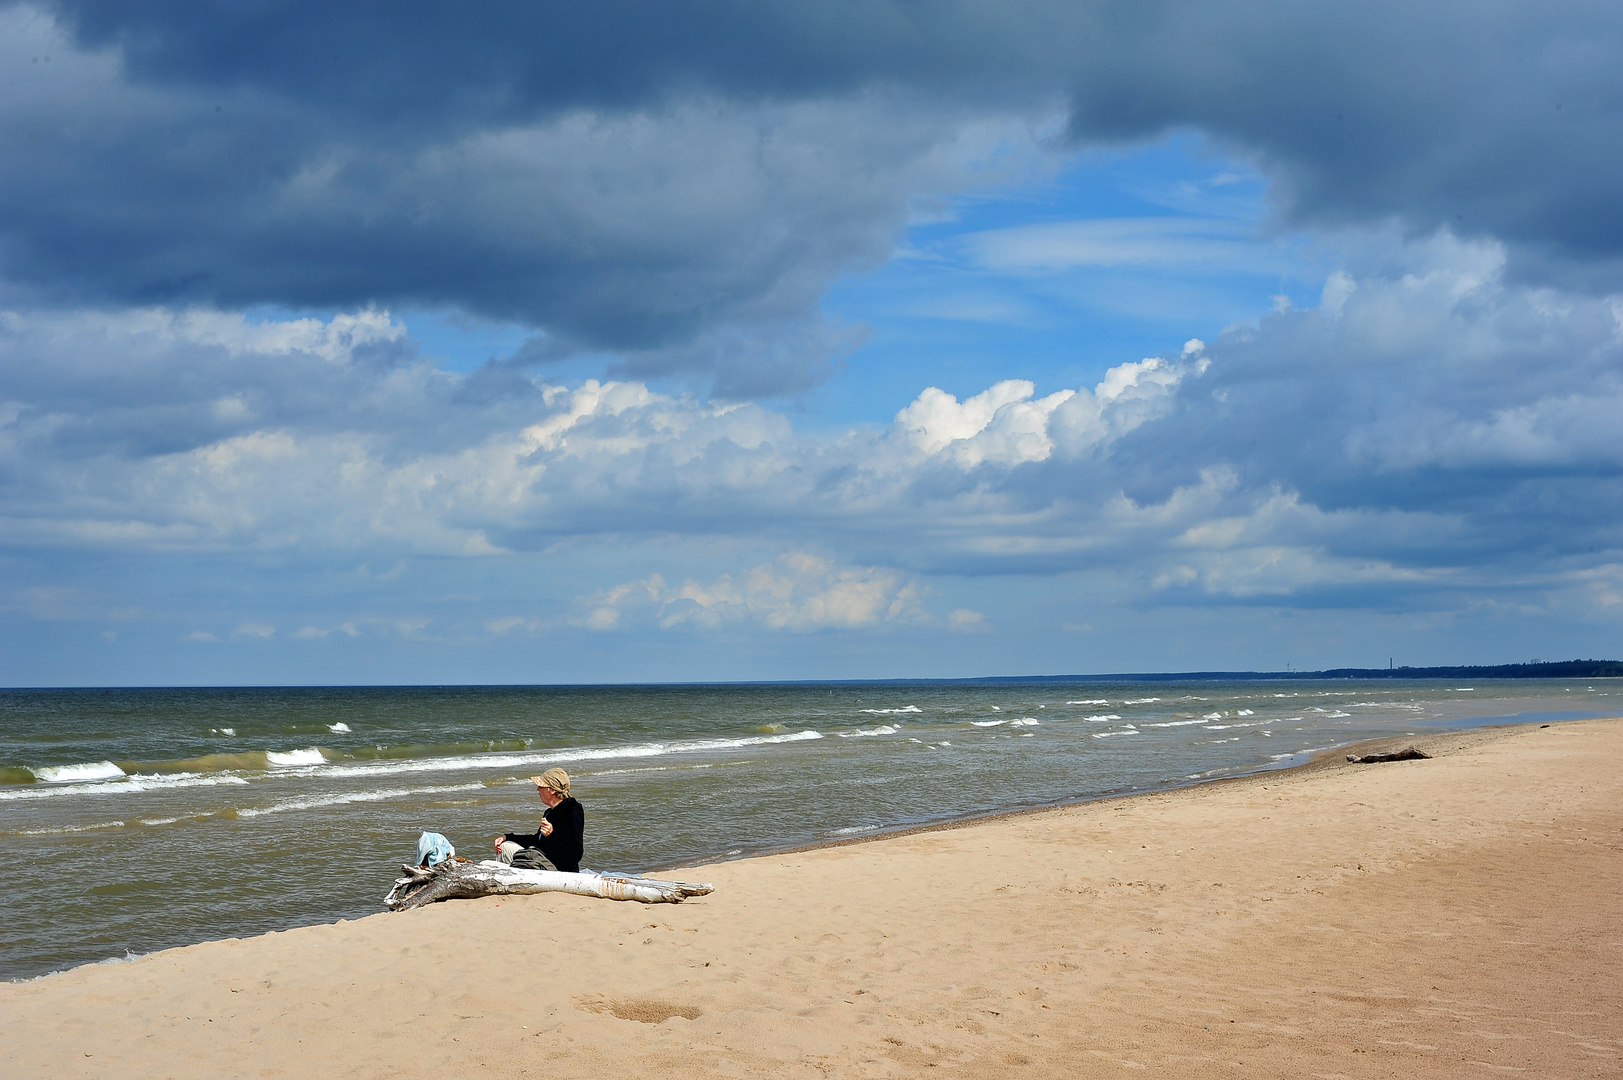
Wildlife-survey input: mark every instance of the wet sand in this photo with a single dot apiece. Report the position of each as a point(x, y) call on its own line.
point(1455, 916)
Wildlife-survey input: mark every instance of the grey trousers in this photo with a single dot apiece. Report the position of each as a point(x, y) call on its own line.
point(524, 858)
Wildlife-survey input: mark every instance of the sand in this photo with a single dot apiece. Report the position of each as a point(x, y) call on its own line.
point(1450, 917)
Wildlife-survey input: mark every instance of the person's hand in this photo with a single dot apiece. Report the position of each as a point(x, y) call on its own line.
point(546, 827)
point(499, 840)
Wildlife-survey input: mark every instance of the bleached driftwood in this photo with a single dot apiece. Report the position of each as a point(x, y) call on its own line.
point(459, 880)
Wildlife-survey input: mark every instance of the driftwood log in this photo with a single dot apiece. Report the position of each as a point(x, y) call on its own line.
point(459, 879)
point(1408, 753)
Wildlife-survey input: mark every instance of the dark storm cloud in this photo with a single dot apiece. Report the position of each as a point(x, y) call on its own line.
point(644, 177)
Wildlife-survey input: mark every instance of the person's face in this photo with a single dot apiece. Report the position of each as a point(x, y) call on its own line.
point(549, 796)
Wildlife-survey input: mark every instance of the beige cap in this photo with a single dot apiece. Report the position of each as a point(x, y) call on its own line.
point(556, 779)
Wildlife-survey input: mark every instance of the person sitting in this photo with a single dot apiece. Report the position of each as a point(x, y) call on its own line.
point(559, 842)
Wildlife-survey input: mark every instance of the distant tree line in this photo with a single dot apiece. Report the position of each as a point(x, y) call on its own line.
point(1536, 669)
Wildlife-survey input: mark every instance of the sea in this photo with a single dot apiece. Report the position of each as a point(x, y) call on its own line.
point(133, 820)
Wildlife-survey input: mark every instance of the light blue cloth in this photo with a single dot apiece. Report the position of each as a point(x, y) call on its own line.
point(433, 849)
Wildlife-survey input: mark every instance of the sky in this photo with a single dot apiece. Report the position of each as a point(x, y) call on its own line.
point(529, 342)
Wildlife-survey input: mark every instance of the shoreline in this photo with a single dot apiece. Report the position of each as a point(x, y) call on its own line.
point(1312, 761)
point(1421, 918)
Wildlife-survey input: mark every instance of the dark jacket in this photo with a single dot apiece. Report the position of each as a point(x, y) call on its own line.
point(564, 847)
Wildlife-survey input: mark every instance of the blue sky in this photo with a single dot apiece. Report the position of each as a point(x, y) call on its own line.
point(1025, 338)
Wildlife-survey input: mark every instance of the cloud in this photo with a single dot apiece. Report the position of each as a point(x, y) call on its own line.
point(1431, 431)
point(1002, 425)
point(677, 231)
point(509, 623)
point(1186, 242)
point(797, 592)
point(677, 188)
point(315, 633)
point(341, 455)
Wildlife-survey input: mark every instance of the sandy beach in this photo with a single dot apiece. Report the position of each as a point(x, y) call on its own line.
point(1445, 917)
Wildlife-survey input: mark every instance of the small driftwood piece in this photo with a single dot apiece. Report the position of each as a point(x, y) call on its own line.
point(1408, 753)
point(457, 879)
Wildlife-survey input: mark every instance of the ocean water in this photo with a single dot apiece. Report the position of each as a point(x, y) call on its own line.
point(135, 820)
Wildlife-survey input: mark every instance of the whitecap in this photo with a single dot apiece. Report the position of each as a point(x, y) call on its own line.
point(79, 774)
point(1025, 721)
point(67, 829)
point(311, 756)
point(222, 731)
point(987, 723)
point(1142, 701)
point(339, 728)
point(1246, 712)
point(903, 709)
point(1095, 701)
point(863, 733)
point(1176, 723)
point(1101, 719)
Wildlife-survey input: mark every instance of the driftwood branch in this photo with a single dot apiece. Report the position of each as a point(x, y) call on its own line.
point(457, 879)
point(1408, 753)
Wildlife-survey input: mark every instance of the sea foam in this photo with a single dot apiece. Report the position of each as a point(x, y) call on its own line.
point(136, 783)
point(351, 797)
point(548, 757)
